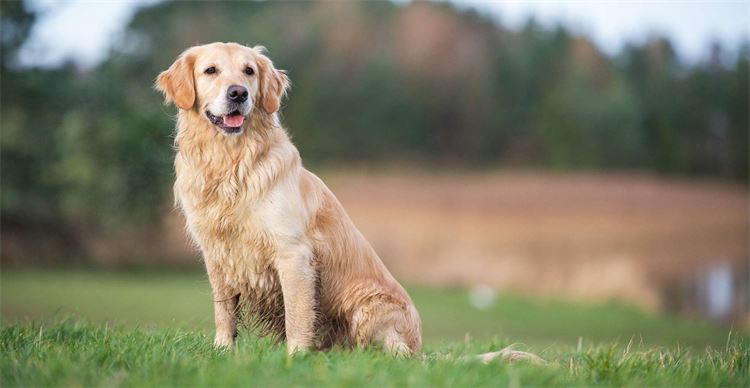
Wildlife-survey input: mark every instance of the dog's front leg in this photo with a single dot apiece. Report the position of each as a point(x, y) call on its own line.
point(225, 309)
point(297, 278)
point(225, 317)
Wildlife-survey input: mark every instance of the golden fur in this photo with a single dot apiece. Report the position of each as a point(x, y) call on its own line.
point(273, 236)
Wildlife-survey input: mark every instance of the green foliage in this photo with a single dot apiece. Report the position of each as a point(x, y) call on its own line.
point(590, 123)
point(72, 353)
point(16, 22)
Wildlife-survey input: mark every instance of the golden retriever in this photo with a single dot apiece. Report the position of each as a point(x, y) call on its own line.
point(273, 236)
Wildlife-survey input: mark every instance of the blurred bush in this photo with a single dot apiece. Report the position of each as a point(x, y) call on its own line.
point(88, 152)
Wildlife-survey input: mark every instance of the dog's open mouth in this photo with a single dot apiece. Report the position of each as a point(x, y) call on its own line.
point(229, 123)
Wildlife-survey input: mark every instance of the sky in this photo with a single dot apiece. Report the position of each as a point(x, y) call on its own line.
point(691, 24)
point(83, 30)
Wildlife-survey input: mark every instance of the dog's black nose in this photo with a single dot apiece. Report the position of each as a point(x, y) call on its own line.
point(237, 93)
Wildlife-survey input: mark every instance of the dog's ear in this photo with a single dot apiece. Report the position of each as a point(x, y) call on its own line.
point(177, 82)
point(273, 82)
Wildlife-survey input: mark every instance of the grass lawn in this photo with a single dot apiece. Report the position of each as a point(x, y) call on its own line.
point(155, 329)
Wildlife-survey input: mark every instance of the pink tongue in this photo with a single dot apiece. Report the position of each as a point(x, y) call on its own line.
point(234, 121)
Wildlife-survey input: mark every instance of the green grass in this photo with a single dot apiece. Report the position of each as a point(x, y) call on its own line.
point(80, 354)
point(155, 329)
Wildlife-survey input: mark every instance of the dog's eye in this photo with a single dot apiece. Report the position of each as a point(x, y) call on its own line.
point(210, 70)
point(249, 70)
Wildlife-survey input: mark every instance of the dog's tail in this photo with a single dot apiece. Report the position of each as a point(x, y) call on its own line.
point(508, 355)
point(505, 355)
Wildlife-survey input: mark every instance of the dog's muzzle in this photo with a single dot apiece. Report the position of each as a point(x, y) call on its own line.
point(231, 123)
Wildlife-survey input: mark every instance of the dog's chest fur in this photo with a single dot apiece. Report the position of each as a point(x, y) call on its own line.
point(230, 207)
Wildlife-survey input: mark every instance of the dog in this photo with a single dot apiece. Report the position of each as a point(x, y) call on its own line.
point(274, 239)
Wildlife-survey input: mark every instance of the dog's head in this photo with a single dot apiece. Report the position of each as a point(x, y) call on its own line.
point(224, 82)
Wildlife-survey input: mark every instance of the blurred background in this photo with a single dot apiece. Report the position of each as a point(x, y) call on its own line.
point(543, 171)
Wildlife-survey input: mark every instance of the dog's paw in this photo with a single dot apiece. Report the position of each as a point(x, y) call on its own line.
point(221, 342)
point(296, 349)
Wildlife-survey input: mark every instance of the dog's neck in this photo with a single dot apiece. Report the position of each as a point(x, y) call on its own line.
point(215, 154)
point(222, 159)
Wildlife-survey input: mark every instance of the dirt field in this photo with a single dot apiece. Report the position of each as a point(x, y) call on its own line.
point(642, 239)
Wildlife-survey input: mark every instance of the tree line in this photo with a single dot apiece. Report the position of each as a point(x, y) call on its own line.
point(373, 82)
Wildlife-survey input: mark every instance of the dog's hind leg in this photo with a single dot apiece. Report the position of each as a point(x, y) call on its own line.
point(395, 327)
